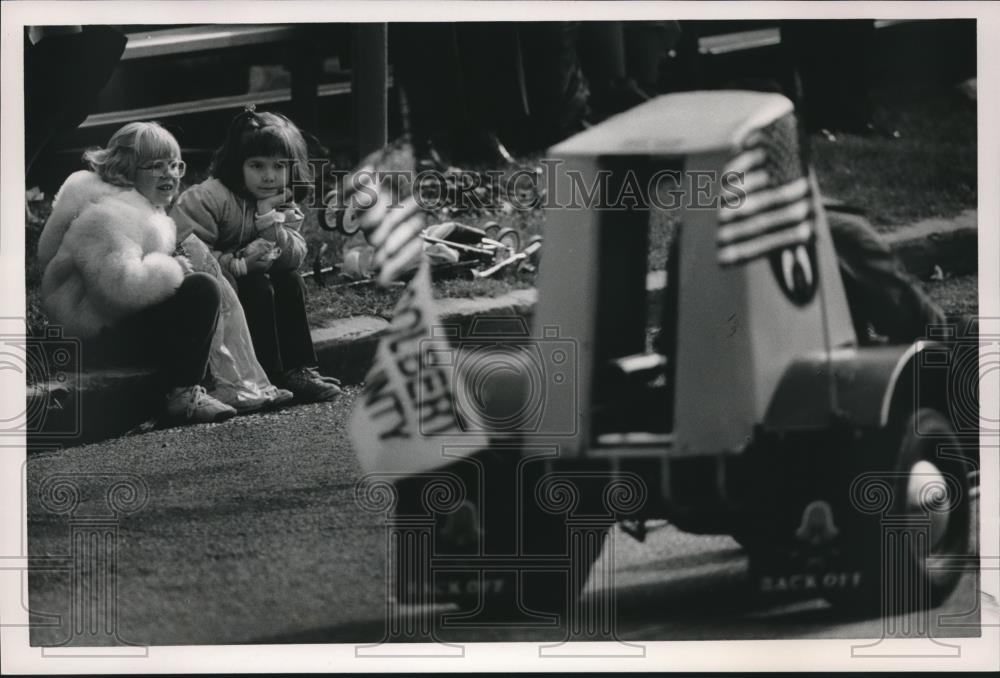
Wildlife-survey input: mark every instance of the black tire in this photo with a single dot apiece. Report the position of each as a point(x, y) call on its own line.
point(927, 463)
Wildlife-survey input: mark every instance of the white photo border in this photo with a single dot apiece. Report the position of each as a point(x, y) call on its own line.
point(18, 657)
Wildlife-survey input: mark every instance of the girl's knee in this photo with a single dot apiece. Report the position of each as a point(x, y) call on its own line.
point(199, 299)
point(255, 285)
point(201, 286)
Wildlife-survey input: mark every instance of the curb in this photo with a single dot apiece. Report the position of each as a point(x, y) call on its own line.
point(346, 347)
point(90, 406)
point(100, 404)
point(952, 244)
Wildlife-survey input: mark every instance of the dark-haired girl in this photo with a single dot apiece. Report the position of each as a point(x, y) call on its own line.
point(246, 214)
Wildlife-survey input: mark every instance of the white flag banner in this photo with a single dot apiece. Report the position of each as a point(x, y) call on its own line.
point(405, 415)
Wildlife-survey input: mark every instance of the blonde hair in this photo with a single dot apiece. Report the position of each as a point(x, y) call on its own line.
point(127, 148)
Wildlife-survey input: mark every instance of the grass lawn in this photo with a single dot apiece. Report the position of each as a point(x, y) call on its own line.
point(957, 296)
point(329, 303)
point(929, 172)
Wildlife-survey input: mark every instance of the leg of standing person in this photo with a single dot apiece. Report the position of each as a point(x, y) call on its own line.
point(687, 70)
point(64, 71)
point(489, 87)
point(423, 60)
point(832, 61)
point(556, 88)
point(646, 47)
point(602, 56)
point(602, 59)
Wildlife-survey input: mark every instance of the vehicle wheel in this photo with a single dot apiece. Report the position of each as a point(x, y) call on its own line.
point(510, 238)
point(492, 229)
point(930, 484)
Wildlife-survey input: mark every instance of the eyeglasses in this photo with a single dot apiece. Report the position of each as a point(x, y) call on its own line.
point(162, 168)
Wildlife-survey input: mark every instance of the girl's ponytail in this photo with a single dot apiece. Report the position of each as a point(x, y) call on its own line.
point(241, 123)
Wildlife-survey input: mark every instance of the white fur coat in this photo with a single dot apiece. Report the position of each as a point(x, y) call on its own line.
point(107, 252)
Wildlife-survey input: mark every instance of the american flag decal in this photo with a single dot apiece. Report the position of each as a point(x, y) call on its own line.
point(777, 211)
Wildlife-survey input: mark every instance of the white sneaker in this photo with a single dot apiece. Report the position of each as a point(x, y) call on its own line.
point(193, 404)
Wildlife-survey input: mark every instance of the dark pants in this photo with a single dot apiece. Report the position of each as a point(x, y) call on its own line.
point(63, 75)
point(275, 307)
point(556, 88)
point(175, 335)
point(460, 79)
point(833, 60)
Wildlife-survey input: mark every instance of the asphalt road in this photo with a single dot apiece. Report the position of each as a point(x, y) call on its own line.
point(251, 533)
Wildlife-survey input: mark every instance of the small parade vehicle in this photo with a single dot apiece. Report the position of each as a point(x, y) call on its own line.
point(738, 400)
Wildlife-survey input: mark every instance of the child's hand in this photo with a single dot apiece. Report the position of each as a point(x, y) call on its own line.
point(267, 224)
point(257, 247)
point(259, 261)
point(293, 215)
point(267, 204)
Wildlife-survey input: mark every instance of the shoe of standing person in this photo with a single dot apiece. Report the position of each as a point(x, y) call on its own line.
point(192, 404)
point(309, 385)
point(482, 148)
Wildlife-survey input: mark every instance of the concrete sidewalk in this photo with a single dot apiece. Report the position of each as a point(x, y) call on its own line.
point(95, 405)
